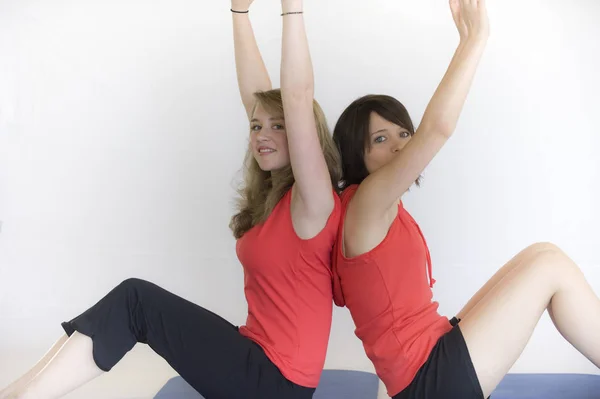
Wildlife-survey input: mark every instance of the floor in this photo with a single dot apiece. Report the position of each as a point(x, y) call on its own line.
point(138, 376)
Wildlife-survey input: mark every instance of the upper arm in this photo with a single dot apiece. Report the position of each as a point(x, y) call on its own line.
point(311, 174)
point(364, 230)
point(249, 102)
point(382, 189)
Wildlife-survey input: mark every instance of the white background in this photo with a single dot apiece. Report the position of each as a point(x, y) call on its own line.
point(122, 135)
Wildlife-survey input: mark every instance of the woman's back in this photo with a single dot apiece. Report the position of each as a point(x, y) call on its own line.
point(287, 283)
point(388, 293)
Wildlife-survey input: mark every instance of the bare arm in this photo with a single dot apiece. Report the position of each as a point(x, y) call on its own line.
point(313, 183)
point(381, 190)
point(252, 74)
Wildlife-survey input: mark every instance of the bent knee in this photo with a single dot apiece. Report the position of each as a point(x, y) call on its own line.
point(549, 256)
point(544, 248)
point(134, 284)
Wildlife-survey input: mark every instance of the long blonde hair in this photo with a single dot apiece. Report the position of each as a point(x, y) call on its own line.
point(262, 190)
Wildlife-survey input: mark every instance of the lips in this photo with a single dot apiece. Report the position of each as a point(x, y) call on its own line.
point(265, 150)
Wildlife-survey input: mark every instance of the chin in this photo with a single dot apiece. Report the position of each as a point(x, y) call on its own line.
point(267, 167)
point(270, 166)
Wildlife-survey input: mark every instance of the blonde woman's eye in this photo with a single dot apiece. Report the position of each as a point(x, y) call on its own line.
point(278, 127)
point(255, 128)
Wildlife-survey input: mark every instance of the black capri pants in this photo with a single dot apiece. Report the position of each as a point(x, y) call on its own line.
point(206, 350)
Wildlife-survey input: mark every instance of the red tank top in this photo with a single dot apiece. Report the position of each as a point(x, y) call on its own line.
point(287, 282)
point(388, 293)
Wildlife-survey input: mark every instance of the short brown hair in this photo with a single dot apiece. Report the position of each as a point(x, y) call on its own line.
point(351, 133)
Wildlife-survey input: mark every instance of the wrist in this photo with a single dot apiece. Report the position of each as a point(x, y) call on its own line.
point(291, 6)
point(474, 42)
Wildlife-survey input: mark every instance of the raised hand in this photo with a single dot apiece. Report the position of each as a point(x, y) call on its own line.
point(471, 18)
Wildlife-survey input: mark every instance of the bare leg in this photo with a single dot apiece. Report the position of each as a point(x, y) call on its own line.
point(19, 384)
point(496, 278)
point(499, 325)
point(70, 368)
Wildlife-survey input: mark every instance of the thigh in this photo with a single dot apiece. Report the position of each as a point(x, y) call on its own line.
point(499, 275)
point(448, 372)
point(206, 350)
point(497, 329)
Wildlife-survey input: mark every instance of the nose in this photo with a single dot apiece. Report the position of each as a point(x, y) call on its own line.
point(262, 135)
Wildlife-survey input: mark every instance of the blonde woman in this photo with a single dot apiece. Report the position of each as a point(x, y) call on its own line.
point(285, 229)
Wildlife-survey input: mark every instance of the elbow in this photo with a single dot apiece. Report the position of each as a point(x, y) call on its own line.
point(446, 130)
point(297, 94)
point(441, 127)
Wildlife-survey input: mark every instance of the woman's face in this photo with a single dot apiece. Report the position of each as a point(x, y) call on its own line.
point(386, 139)
point(268, 140)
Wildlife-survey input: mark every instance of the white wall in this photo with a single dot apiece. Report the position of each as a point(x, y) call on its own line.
point(121, 135)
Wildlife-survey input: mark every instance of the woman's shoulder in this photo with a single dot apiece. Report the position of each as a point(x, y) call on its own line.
point(347, 194)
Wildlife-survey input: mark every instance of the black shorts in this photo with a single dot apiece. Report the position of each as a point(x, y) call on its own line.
point(448, 373)
point(206, 350)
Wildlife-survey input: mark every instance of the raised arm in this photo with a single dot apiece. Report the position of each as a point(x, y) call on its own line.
point(252, 74)
point(314, 196)
point(381, 190)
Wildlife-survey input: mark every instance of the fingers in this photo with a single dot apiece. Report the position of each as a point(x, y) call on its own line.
point(483, 6)
point(470, 17)
point(469, 4)
point(456, 7)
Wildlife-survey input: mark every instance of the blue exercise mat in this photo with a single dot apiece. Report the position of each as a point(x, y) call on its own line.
point(343, 384)
point(548, 386)
point(347, 384)
point(335, 384)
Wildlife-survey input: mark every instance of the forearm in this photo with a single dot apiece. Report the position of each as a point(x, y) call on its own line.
point(445, 107)
point(297, 80)
point(252, 73)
